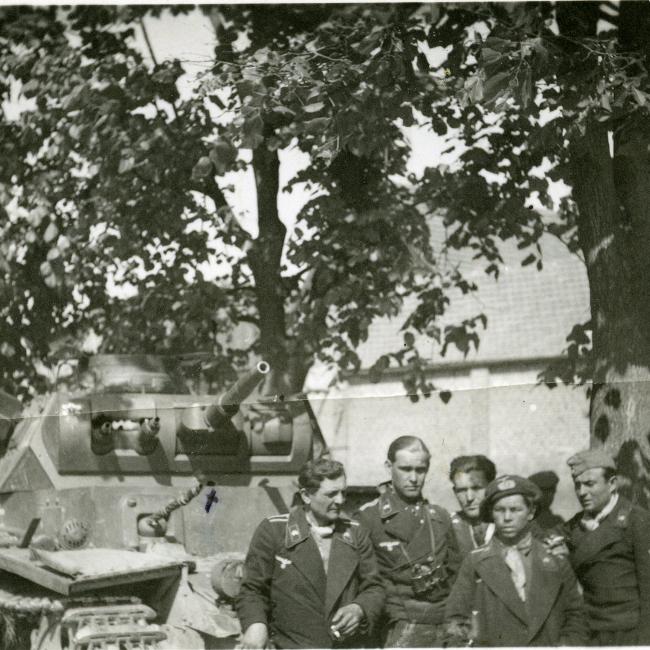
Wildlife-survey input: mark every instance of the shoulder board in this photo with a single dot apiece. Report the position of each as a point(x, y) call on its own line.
point(439, 512)
point(374, 502)
point(283, 518)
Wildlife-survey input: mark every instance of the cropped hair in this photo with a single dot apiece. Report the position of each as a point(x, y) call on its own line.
point(476, 463)
point(406, 442)
point(314, 472)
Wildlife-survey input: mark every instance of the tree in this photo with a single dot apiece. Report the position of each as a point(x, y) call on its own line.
point(534, 92)
point(562, 88)
point(110, 173)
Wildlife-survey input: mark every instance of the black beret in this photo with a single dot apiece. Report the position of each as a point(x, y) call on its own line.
point(505, 486)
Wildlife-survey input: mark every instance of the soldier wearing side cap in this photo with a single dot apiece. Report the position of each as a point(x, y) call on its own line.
point(513, 591)
point(416, 549)
point(609, 546)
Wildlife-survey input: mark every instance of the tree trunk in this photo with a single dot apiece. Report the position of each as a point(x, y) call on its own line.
point(613, 198)
point(287, 358)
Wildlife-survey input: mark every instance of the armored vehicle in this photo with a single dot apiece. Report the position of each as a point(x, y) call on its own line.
point(126, 507)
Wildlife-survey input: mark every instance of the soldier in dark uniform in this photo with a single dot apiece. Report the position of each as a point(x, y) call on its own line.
point(546, 520)
point(470, 476)
point(311, 577)
point(415, 546)
point(609, 545)
point(513, 591)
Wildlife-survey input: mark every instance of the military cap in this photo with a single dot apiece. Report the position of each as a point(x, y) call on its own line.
point(590, 459)
point(505, 486)
point(546, 480)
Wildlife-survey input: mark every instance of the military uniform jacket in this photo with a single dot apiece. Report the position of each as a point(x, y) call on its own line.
point(485, 595)
point(399, 544)
point(465, 536)
point(613, 565)
point(285, 585)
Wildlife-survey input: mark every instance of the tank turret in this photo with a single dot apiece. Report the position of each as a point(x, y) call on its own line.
point(132, 464)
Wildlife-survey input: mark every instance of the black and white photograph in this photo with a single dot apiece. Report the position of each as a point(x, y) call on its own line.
point(324, 325)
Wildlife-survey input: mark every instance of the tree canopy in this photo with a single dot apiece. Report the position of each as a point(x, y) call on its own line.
point(108, 172)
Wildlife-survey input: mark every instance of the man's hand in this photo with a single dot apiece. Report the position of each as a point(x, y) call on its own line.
point(347, 619)
point(556, 545)
point(256, 637)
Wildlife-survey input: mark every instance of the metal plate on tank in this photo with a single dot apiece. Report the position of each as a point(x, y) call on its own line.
point(19, 562)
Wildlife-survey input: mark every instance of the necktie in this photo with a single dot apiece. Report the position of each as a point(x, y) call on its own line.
point(517, 571)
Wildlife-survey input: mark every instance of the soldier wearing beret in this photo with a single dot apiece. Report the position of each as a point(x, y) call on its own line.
point(513, 591)
point(415, 546)
point(311, 578)
point(470, 476)
point(609, 545)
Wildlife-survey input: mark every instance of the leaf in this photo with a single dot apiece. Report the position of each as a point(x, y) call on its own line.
point(409, 339)
point(30, 89)
point(474, 89)
point(126, 164)
point(489, 56)
point(445, 396)
point(496, 84)
point(529, 260)
point(422, 62)
point(605, 103)
point(316, 126)
point(217, 100)
point(313, 108)
point(639, 96)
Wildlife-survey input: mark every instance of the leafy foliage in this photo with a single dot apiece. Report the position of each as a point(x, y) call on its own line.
point(113, 184)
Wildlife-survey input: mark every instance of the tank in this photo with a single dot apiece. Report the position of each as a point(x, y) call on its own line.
point(127, 505)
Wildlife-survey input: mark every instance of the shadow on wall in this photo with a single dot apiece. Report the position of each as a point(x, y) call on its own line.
point(633, 472)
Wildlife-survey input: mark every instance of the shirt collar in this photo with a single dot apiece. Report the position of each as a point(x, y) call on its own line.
point(390, 503)
point(594, 522)
point(524, 545)
point(321, 531)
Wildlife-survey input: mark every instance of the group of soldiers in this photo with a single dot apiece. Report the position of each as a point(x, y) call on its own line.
point(502, 571)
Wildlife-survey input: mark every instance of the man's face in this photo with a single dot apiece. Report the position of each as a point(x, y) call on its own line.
point(469, 488)
point(408, 471)
point(511, 516)
point(593, 490)
point(326, 503)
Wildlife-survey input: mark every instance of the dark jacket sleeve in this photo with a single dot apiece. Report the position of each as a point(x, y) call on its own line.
point(371, 593)
point(253, 603)
point(461, 599)
point(640, 531)
point(575, 631)
point(454, 556)
point(458, 609)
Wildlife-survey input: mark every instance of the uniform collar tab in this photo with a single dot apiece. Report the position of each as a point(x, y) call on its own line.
point(297, 527)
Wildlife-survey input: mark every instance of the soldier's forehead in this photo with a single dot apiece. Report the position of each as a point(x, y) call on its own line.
point(412, 455)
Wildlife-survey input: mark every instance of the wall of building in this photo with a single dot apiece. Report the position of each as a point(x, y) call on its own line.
point(498, 410)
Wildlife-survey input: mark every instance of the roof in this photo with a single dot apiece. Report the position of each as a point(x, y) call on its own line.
point(529, 312)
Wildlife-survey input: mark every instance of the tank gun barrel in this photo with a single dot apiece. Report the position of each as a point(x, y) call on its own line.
point(227, 404)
